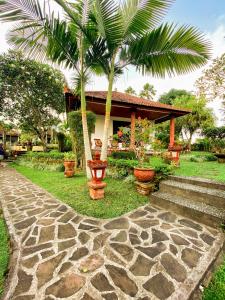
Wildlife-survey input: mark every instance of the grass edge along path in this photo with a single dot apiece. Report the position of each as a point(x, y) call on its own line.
point(120, 196)
point(216, 288)
point(4, 252)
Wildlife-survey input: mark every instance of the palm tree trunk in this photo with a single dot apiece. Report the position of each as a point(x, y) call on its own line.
point(87, 148)
point(108, 111)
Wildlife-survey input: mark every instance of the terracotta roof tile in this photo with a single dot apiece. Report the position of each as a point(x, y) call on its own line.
point(126, 98)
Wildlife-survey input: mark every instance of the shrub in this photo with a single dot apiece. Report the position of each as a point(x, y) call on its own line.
point(202, 145)
point(76, 130)
point(203, 158)
point(120, 167)
point(124, 155)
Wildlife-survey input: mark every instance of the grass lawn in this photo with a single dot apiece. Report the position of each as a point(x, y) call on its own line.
point(211, 169)
point(120, 197)
point(216, 288)
point(4, 252)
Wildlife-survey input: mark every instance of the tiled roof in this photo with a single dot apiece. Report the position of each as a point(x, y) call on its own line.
point(126, 98)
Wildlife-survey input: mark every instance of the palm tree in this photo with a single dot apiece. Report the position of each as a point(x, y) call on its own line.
point(133, 35)
point(148, 92)
point(43, 36)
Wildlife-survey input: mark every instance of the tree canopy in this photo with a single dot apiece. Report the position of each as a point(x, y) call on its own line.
point(130, 91)
point(148, 92)
point(169, 97)
point(31, 93)
point(200, 117)
point(212, 82)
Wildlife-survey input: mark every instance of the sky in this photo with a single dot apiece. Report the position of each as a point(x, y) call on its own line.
point(207, 15)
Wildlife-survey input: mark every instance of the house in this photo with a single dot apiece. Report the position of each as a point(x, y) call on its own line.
point(125, 109)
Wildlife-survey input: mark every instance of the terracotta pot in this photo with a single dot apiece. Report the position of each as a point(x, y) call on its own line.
point(144, 174)
point(69, 168)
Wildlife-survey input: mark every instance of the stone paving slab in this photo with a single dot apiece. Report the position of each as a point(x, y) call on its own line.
point(146, 254)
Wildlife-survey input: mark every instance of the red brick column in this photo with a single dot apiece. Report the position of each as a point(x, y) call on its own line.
point(132, 130)
point(172, 131)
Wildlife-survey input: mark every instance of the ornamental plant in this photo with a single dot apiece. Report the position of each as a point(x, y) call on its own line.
point(143, 138)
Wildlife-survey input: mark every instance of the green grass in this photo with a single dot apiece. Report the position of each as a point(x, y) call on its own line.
point(4, 253)
point(211, 170)
point(216, 288)
point(120, 197)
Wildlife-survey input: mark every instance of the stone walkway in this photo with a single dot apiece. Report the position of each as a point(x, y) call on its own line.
point(146, 254)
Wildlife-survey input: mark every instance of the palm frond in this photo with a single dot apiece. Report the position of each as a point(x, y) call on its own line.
point(14, 10)
point(109, 22)
point(140, 16)
point(169, 50)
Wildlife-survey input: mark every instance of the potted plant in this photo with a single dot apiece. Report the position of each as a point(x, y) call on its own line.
point(143, 135)
point(69, 164)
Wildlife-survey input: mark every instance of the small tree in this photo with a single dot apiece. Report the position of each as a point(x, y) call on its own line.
point(148, 92)
point(200, 117)
point(31, 94)
point(169, 97)
point(130, 91)
point(216, 135)
point(212, 82)
point(75, 125)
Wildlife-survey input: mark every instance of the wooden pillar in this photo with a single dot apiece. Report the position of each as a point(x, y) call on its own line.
point(172, 131)
point(132, 130)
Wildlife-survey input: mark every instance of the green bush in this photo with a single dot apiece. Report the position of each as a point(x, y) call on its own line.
point(54, 154)
point(120, 167)
point(202, 158)
point(202, 145)
point(51, 161)
point(58, 167)
point(124, 155)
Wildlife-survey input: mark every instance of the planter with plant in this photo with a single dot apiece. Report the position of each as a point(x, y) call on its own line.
point(143, 136)
point(69, 164)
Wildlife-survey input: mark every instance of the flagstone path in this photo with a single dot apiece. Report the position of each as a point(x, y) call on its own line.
point(146, 254)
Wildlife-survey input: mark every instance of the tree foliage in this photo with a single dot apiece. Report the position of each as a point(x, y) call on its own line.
point(200, 117)
point(148, 92)
point(130, 91)
point(169, 97)
point(75, 125)
point(31, 93)
point(212, 82)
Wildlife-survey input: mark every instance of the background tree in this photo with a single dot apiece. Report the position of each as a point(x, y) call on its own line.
point(216, 136)
point(148, 92)
point(75, 125)
point(200, 118)
point(5, 128)
point(130, 91)
point(212, 82)
point(169, 97)
point(31, 94)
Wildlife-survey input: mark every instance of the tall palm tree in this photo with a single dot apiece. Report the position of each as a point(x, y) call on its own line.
point(132, 34)
point(43, 36)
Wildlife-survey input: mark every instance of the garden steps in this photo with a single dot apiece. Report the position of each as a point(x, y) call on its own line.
point(189, 197)
point(204, 182)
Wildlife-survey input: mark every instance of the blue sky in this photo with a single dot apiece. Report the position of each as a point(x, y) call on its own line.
point(206, 14)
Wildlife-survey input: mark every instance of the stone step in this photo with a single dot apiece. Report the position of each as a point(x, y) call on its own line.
point(197, 211)
point(199, 182)
point(205, 195)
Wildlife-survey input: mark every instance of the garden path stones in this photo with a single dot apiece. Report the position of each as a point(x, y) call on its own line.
point(146, 254)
